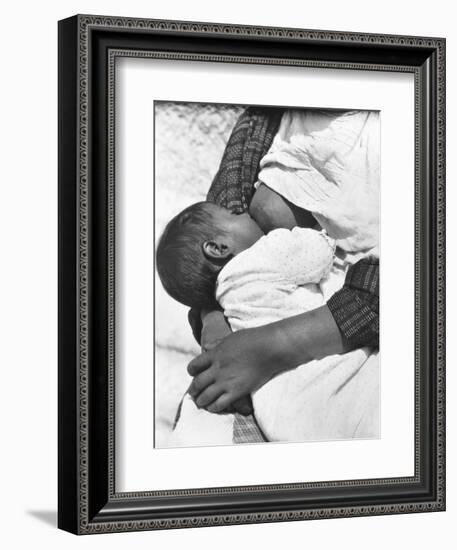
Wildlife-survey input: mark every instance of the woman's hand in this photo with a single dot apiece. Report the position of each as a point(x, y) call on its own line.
point(234, 368)
point(214, 329)
point(244, 361)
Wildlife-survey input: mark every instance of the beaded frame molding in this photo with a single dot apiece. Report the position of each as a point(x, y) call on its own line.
point(88, 48)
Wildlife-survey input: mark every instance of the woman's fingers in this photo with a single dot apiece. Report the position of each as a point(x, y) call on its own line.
point(200, 363)
point(200, 382)
point(221, 403)
point(208, 396)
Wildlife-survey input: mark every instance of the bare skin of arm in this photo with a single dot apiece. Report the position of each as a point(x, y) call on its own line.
point(244, 361)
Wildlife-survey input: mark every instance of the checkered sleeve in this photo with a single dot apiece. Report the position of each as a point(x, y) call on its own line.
point(355, 307)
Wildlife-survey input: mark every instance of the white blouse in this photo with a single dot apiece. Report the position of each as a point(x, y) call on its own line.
point(328, 162)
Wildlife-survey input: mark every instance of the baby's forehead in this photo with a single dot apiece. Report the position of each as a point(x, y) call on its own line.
point(218, 211)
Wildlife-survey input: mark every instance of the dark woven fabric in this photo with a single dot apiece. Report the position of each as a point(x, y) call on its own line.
point(250, 140)
point(246, 430)
point(355, 307)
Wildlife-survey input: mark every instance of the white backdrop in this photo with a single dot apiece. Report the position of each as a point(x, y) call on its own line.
point(28, 225)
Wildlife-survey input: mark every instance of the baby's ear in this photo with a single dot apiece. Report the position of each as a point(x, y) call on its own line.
point(214, 250)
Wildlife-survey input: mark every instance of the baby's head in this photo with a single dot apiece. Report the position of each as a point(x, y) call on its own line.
point(194, 247)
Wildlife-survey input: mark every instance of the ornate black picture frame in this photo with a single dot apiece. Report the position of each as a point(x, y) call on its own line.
point(88, 501)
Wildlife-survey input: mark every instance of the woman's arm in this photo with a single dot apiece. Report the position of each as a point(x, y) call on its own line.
point(245, 360)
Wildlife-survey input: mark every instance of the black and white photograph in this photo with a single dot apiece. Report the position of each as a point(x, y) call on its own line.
point(267, 254)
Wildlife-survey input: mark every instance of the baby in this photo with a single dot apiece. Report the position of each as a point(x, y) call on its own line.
point(196, 245)
point(208, 255)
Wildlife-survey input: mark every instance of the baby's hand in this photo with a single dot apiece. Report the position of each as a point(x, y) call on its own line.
point(242, 406)
point(214, 329)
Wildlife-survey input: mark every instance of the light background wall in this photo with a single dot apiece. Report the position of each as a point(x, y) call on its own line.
point(28, 306)
point(189, 143)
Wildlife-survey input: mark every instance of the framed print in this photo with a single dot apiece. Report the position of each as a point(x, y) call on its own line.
point(251, 274)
